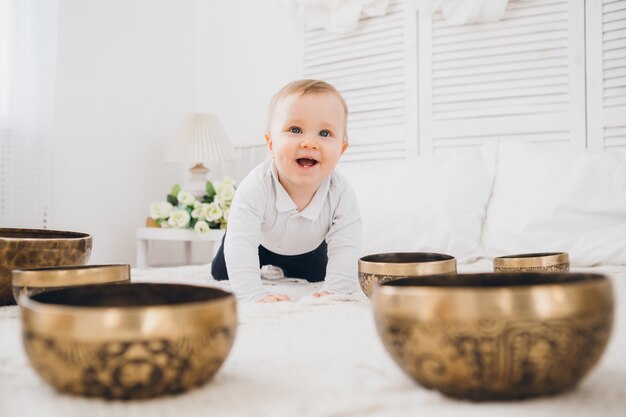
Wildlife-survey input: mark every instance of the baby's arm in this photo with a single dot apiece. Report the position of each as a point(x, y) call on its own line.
point(344, 246)
point(241, 245)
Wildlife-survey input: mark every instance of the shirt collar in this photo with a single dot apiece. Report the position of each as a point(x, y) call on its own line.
point(284, 202)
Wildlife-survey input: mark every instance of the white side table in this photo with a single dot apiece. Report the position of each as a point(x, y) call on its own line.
point(146, 234)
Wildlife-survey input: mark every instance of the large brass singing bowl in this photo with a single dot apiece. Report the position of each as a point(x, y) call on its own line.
point(532, 262)
point(496, 336)
point(37, 280)
point(34, 248)
point(128, 341)
point(384, 267)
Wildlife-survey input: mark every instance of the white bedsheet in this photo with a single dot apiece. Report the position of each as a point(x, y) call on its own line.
point(308, 357)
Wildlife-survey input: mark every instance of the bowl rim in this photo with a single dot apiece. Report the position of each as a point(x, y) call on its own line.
point(427, 267)
point(71, 275)
point(123, 323)
point(54, 234)
point(506, 280)
point(537, 259)
point(34, 304)
point(443, 256)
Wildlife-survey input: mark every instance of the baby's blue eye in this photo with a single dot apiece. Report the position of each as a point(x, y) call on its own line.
point(295, 130)
point(324, 133)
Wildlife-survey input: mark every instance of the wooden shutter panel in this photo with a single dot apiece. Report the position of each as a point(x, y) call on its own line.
point(606, 73)
point(372, 67)
point(520, 78)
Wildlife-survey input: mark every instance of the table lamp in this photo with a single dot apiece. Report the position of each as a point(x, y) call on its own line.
point(201, 139)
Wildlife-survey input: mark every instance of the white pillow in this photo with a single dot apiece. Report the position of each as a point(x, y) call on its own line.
point(428, 204)
point(558, 200)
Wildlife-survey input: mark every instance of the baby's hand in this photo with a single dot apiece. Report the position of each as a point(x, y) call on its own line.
point(321, 294)
point(273, 298)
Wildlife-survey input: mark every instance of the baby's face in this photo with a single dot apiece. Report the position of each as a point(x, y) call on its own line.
point(306, 138)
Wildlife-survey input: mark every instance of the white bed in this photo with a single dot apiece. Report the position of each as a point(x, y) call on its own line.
point(308, 357)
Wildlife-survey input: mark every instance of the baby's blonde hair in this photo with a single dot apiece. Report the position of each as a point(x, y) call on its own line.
point(302, 87)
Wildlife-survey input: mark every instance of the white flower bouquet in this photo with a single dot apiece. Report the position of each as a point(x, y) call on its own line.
point(183, 210)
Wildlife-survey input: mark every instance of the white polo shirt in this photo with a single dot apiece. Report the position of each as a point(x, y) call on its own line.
point(262, 213)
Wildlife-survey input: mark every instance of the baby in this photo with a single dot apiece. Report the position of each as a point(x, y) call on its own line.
point(294, 211)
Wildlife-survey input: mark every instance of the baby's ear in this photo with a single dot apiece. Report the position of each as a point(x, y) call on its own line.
point(268, 140)
point(344, 146)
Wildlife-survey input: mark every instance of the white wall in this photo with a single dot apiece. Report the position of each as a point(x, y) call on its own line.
point(125, 78)
point(246, 51)
point(128, 70)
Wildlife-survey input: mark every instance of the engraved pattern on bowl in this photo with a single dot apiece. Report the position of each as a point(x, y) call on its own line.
point(34, 248)
point(128, 341)
point(525, 335)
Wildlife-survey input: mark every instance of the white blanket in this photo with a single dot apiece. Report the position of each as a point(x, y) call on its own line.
point(308, 357)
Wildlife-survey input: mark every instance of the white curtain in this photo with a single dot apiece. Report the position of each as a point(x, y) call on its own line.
point(461, 12)
point(339, 16)
point(342, 16)
point(28, 37)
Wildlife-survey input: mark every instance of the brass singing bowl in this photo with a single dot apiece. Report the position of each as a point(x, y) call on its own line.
point(384, 267)
point(37, 280)
point(496, 336)
point(34, 248)
point(128, 341)
point(532, 262)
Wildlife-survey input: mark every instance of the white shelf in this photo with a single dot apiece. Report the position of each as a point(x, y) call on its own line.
point(157, 233)
point(146, 234)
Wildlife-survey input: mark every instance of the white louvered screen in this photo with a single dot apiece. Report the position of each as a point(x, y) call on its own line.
point(520, 78)
point(606, 73)
point(372, 67)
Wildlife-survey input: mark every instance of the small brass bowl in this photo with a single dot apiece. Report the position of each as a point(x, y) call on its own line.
point(34, 248)
point(384, 267)
point(37, 280)
point(128, 341)
point(532, 262)
point(496, 336)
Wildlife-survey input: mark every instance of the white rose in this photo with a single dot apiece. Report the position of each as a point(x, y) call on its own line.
point(226, 192)
point(224, 204)
point(186, 198)
point(179, 219)
point(226, 213)
point(228, 180)
point(199, 211)
point(220, 185)
point(202, 211)
point(160, 210)
point(201, 228)
point(213, 212)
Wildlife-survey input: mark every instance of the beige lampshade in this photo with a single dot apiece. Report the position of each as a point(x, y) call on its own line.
point(202, 139)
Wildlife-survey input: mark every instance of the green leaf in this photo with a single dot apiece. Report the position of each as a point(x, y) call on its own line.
point(210, 190)
point(175, 190)
point(172, 200)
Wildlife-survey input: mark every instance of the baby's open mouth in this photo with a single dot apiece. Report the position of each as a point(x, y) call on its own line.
point(306, 162)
